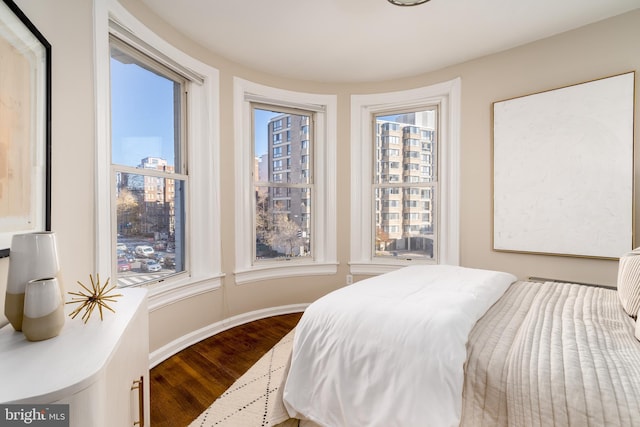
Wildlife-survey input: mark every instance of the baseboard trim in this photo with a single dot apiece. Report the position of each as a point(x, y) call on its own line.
point(163, 353)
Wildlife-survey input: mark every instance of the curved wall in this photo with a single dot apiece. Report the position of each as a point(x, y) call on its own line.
point(598, 50)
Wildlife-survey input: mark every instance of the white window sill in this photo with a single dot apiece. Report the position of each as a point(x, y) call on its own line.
point(171, 291)
point(290, 268)
point(382, 266)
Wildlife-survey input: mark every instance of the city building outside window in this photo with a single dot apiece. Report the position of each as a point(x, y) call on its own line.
point(404, 201)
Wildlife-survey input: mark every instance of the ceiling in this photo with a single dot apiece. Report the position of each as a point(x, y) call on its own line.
point(372, 40)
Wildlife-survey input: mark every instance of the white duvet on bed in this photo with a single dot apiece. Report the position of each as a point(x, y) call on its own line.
point(389, 350)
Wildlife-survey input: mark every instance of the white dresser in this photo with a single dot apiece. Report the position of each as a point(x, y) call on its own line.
point(101, 369)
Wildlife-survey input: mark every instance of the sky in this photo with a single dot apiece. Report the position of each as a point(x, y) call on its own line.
point(262, 118)
point(141, 115)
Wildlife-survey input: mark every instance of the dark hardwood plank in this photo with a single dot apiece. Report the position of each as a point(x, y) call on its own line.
point(188, 382)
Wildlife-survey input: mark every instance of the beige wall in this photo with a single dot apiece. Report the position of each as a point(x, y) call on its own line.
point(68, 26)
point(598, 50)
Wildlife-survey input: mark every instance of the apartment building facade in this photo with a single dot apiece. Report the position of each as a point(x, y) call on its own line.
point(405, 184)
point(289, 165)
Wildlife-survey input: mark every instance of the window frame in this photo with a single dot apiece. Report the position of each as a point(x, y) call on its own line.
point(324, 260)
point(203, 195)
point(363, 110)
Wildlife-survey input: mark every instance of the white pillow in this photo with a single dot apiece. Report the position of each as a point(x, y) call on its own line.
point(637, 329)
point(629, 282)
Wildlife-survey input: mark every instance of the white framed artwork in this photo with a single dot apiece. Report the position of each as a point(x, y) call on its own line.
point(563, 170)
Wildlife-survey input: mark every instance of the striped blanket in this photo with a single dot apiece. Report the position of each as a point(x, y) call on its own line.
point(553, 354)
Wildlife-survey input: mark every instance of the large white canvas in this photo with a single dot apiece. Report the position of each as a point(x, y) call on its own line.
point(563, 170)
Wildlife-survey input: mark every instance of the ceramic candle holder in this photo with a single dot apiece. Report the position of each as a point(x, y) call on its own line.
point(43, 310)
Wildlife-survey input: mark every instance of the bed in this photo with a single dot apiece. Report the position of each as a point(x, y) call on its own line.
point(448, 346)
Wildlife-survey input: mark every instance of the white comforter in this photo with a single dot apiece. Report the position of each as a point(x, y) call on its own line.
point(389, 351)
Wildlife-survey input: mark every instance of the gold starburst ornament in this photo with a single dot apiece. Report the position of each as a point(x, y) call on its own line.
point(97, 296)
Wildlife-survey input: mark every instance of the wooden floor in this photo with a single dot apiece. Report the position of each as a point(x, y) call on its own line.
point(187, 383)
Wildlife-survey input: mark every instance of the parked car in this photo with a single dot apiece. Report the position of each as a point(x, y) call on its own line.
point(144, 251)
point(170, 261)
point(125, 255)
point(121, 247)
point(123, 265)
point(159, 256)
point(150, 265)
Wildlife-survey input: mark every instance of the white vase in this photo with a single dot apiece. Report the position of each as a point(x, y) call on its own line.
point(32, 256)
point(43, 309)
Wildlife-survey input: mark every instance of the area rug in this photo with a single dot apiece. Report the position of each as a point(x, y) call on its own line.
point(255, 399)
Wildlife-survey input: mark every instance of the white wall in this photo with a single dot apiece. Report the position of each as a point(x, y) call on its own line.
point(598, 50)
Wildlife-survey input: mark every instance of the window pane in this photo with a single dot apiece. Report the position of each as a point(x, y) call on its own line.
point(146, 134)
point(283, 178)
point(404, 222)
point(273, 141)
point(283, 222)
point(145, 112)
point(405, 148)
point(405, 184)
point(150, 224)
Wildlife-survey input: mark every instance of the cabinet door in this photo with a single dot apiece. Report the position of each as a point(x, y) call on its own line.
point(86, 407)
point(127, 376)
